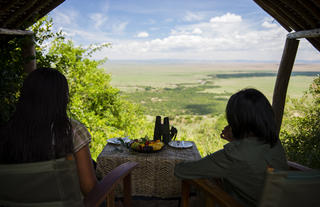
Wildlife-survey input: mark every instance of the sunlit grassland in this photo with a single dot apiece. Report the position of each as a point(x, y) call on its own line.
point(297, 85)
point(194, 96)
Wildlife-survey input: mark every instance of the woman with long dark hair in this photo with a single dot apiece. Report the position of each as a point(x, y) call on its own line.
point(253, 147)
point(40, 129)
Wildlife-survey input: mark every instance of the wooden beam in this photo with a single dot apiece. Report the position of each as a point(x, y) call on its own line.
point(15, 32)
point(29, 54)
point(300, 12)
point(33, 14)
point(271, 11)
point(19, 12)
point(316, 2)
point(290, 16)
point(283, 77)
point(311, 7)
point(7, 6)
point(304, 34)
point(39, 10)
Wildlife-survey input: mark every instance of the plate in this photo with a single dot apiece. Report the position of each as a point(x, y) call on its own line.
point(117, 141)
point(180, 144)
point(135, 146)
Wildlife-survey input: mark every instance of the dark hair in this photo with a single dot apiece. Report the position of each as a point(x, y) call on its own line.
point(40, 128)
point(249, 112)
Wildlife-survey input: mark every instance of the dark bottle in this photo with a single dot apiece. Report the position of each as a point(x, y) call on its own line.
point(166, 130)
point(157, 129)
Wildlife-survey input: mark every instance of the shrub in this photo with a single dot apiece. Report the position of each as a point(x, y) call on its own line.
point(11, 74)
point(300, 132)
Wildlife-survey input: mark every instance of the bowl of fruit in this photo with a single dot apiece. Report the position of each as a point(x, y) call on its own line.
point(146, 146)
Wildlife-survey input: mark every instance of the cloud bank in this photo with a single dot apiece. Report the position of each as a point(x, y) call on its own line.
point(224, 37)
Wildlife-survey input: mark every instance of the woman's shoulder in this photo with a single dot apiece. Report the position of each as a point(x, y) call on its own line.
point(81, 135)
point(253, 150)
point(245, 148)
point(75, 123)
point(77, 126)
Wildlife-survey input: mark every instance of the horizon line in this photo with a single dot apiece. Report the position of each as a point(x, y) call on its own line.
point(172, 61)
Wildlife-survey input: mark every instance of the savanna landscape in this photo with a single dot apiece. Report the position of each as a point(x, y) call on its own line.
point(117, 99)
point(194, 95)
point(78, 78)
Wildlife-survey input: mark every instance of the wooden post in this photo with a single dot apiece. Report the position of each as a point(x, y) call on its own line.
point(209, 201)
point(127, 190)
point(185, 192)
point(110, 199)
point(29, 54)
point(283, 77)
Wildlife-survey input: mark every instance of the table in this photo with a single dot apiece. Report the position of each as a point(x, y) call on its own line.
point(154, 176)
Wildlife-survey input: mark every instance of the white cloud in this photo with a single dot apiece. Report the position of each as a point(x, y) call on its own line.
point(267, 24)
point(118, 28)
point(98, 19)
point(225, 37)
point(65, 18)
point(227, 18)
point(212, 40)
point(143, 34)
point(81, 35)
point(191, 16)
point(197, 31)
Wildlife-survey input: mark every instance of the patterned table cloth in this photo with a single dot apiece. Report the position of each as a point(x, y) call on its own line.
point(154, 176)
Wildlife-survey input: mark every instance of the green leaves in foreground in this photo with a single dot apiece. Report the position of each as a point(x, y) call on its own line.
point(301, 128)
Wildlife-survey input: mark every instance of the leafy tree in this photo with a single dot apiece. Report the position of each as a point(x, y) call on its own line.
point(11, 75)
point(301, 127)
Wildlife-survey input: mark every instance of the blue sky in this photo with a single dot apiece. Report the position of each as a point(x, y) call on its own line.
point(209, 30)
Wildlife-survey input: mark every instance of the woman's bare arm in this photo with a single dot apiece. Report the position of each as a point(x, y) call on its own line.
point(87, 176)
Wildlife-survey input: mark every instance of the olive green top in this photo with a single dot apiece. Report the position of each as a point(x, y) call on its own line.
point(242, 164)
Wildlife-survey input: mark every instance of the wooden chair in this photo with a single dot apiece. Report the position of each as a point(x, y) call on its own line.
point(105, 189)
point(215, 195)
point(53, 183)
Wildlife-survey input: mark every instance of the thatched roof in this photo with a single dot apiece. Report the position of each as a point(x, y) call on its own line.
point(293, 15)
point(20, 14)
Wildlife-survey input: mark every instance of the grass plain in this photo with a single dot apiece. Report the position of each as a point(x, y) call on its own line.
point(194, 96)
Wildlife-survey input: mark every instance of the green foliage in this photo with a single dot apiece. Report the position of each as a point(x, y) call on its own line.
point(11, 74)
point(11, 67)
point(300, 133)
